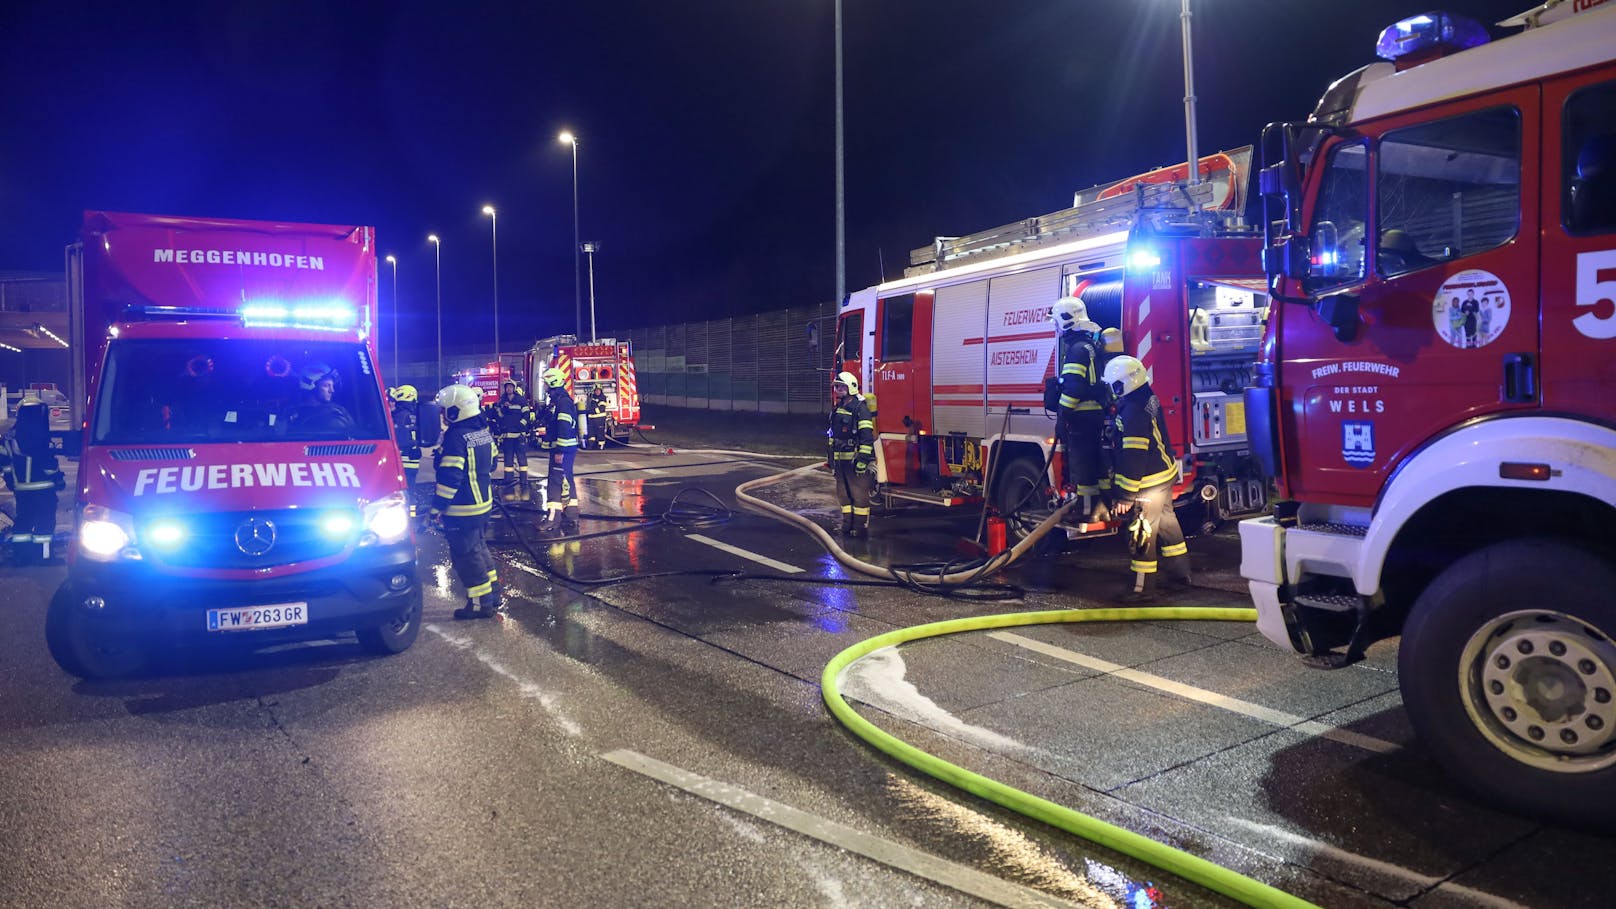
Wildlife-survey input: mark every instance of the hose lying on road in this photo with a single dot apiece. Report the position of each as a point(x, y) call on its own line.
point(1189, 867)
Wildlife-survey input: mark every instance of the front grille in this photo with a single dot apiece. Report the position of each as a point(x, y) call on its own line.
point(211, 540)
point(153, 454)
point(339, 449)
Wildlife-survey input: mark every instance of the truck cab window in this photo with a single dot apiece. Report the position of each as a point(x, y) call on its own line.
point(1447, 189)
point(1339, 219)
point(850, 337)
point(1588, 160)
point(897, 328)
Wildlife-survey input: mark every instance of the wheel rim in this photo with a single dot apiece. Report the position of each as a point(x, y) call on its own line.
point(400, 624)
point(1541, 686)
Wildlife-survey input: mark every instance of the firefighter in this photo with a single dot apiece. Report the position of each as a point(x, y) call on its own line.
point(852, 455)
point(1146, 470)
point(407, 428)
point(561, 441)
point(597, 418)
point(31, 474)
point(1081, 416)
point(319, 412)
point(464, 465)
point(513, 417)
point(1111, 348)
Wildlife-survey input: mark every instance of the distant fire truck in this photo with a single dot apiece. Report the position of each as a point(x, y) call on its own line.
point(956, 352)
point(1437, 398)
point(604, 366)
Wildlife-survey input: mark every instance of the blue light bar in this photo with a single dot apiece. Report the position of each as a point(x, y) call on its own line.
point(1431, 34)
point(1143, 259)
point(331, 315)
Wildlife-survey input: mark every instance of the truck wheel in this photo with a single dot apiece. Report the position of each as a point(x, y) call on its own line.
point(1508, 671)
point(1021, 493)
point(396, 634)
point(84, 650)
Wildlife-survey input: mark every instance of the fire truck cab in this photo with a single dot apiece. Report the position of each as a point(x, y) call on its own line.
point(1435, 396)
point(956, 353)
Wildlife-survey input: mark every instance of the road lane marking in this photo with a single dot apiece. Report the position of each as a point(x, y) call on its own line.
point(745, 554)
point(548, 700)
point(1201, 695)
point(894, 855)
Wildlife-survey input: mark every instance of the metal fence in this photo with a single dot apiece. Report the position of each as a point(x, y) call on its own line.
point(771, 362)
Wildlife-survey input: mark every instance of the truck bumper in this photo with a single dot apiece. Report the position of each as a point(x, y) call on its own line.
point(131, 598)
point(1262, 564)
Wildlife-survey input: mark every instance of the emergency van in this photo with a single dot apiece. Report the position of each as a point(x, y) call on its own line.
point(239, 480)
point(1437, 394)
point(955, 354)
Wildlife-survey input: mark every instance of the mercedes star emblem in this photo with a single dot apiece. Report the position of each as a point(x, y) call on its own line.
point(255, 536)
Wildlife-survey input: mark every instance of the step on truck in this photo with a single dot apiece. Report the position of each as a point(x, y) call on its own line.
point(1437, 398)
point(956, 353)
point(239, 482)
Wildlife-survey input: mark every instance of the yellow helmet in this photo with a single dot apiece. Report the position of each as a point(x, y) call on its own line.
point(849, 380)
point(1112, 338)
point(1125, 374)
point(405, 393)
point(554, 377)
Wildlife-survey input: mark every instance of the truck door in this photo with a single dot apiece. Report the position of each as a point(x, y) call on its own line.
point(1579, 245)
point(902, 377)
point(1425, 263)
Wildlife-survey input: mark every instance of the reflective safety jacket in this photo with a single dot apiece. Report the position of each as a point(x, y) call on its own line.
point(407, 427)
point(514, 416)
point(464, 466)
point(28, 469)
point(560, 421)
point(1080, 385)
point(1144, 453)
point(852, 431)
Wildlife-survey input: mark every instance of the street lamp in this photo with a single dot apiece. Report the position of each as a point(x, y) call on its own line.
point(489, 211)
point(393, 261)
point(577, 284)
point(590, 249)
point(438, 250)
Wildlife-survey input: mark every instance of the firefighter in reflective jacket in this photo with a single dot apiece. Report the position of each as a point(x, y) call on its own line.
point(561, 441)
point(852, 455)
point(597, 418)
point(31, 474)
point(407, 429)
point(513, 417)
point(1144, 479)
point(464, 465)
point(1083, 399)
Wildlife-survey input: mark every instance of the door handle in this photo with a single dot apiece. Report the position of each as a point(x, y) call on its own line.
point(1520, 378)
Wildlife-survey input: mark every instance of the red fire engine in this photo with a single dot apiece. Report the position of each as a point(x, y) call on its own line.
point(956, 353)
point(603, 367)
point(1436, 395)
point(239, 477)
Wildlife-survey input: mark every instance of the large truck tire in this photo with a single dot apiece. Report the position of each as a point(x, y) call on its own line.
point(396, 634)
point(82, 649)
point(1508, 672)
point(1021, 494)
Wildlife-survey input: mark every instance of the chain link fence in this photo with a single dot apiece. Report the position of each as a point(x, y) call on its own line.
point(770, 362)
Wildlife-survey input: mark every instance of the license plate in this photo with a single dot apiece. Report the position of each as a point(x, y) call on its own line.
point(1234, 418)
point(252, 618)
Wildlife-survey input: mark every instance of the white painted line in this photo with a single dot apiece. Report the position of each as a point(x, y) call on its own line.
point(894, 855)
point(745, 554)
point(1201, 695)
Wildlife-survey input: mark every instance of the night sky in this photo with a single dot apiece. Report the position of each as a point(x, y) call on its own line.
point(706, 129)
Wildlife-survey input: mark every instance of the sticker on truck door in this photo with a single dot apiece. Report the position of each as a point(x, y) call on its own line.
point(1471, 309)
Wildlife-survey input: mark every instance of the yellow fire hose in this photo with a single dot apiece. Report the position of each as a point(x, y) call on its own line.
point(1189, 867)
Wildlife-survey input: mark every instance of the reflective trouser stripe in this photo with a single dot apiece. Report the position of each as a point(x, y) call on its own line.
point(1143, 567)
point(1176, 549)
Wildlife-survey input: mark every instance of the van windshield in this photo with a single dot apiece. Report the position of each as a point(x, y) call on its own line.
point(236, 390)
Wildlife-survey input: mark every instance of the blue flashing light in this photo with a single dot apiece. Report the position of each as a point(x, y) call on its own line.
point(332, 315)
point(1143, 259)
point(1431, 34)
point(337, 525)
point(167, 534)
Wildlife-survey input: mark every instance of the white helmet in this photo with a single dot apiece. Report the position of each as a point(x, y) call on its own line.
point(1067, 313)
point(848, 379)
point(458, 402)
point(1124, 374)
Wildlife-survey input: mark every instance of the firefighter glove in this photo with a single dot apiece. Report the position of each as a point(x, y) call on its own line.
point(861, 466)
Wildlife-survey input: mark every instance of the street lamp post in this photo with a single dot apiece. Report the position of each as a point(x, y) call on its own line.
point(393, 261)
point(438, 251)
point(1189, 98)
point(590, 249)
point(489, 211)
point(577, 284)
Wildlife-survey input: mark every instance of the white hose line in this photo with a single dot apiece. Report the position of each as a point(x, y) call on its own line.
point(742, 492)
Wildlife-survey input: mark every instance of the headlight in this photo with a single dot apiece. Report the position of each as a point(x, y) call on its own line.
point(387, 520)
point(104, 534)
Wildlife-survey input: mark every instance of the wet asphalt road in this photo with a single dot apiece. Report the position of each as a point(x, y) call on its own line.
point(576, 752)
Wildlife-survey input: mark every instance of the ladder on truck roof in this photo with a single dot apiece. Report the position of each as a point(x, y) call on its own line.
point(1164, 204)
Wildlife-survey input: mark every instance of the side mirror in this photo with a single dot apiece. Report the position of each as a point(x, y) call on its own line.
point(1340, 312)
point(1289, 256)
